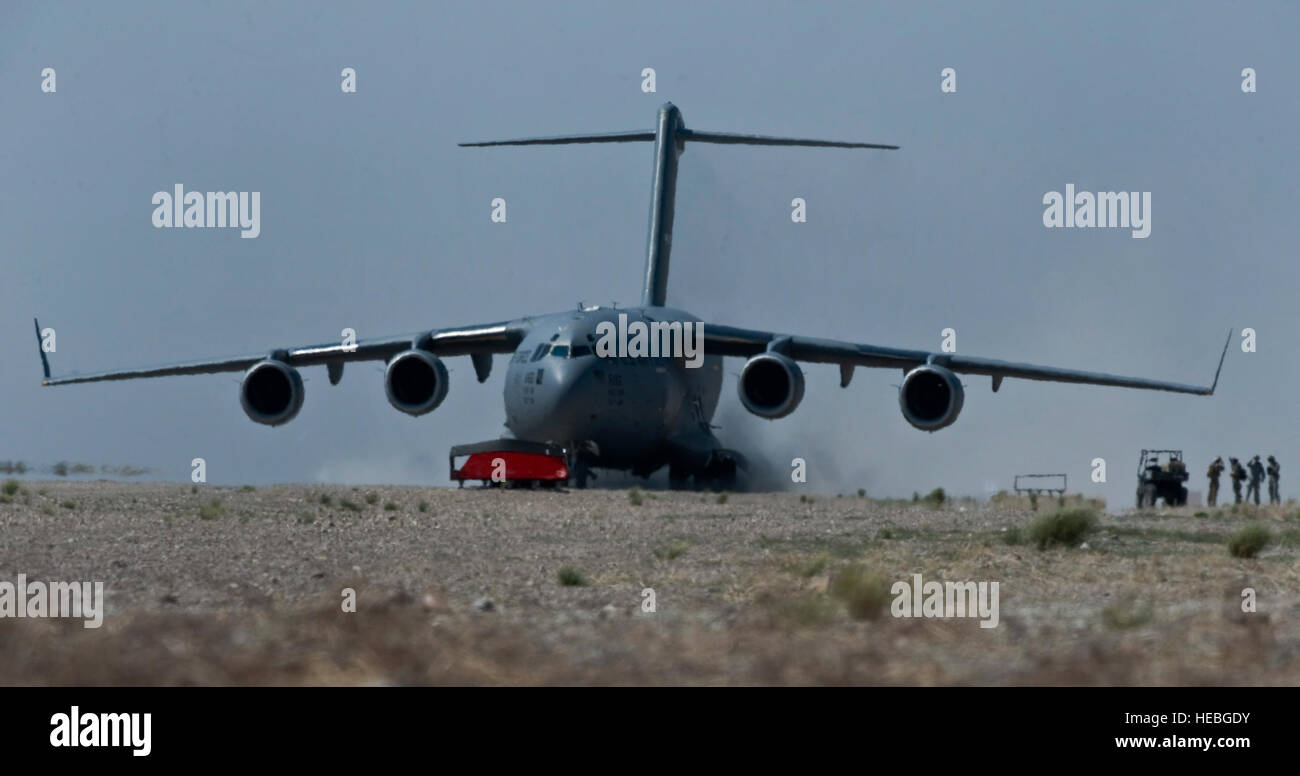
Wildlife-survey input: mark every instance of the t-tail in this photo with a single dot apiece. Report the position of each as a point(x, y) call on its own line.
point(670, 136)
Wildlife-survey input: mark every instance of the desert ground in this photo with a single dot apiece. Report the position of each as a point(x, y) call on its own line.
point(228, 585)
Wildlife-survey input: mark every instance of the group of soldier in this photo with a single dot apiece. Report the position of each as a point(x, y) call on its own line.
point(1254, 471)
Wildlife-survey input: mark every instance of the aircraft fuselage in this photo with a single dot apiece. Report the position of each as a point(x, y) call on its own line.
point(640, 412)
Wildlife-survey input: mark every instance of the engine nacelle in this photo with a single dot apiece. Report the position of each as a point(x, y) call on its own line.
point(930, 397)
point(271, 392)
point(415, 381)
point(771, 385)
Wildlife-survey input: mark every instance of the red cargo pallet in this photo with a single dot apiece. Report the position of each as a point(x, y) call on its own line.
point(525, 462)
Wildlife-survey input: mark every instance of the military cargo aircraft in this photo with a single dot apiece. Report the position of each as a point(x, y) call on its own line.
point(633, 413)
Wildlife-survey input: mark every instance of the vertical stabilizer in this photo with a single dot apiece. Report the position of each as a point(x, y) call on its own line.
point(663, 193)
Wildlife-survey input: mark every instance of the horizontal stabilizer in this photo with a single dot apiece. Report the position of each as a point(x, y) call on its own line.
point(728, 138)
point(671, 136)
point(604, 137)
point(720, 138)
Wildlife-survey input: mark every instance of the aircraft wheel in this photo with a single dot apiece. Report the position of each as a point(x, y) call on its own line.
point(724, 477)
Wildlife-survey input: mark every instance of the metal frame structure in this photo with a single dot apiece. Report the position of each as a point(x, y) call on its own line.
point(1057, 491)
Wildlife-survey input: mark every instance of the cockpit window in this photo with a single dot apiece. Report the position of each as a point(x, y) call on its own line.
point(560, 351)
point(579, 351)
point(540, 351)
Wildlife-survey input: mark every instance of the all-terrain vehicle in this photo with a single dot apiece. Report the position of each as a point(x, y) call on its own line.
point(1161, 474)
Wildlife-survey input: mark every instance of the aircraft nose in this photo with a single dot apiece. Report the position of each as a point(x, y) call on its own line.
point(587, 380)
point(567, 390)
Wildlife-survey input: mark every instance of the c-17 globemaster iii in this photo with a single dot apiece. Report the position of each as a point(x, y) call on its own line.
point(636, 413)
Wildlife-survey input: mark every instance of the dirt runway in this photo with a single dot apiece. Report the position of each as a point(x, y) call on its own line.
point(213, 585)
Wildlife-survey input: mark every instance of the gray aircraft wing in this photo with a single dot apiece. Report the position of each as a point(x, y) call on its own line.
point(478, 342)
point(731, 341)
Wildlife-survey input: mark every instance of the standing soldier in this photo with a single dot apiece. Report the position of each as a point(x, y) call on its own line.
point(1274, 470)
point(1238, 474)
point(1216, 469)
point(1256, 477)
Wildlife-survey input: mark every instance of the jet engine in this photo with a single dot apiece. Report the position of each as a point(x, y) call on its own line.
point(930, 397)
point(771, 385)
point(271, 392)
point(415, 381)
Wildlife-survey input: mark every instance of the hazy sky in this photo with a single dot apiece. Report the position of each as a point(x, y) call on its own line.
point(372, 218)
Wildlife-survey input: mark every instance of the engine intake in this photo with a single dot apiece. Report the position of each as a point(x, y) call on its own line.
point(771, 385)
point(930, 397)
point(415, 381)
point(271, 392)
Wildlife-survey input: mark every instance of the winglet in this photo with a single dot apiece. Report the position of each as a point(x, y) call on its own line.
point(45, 362)
point(1222, 355)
